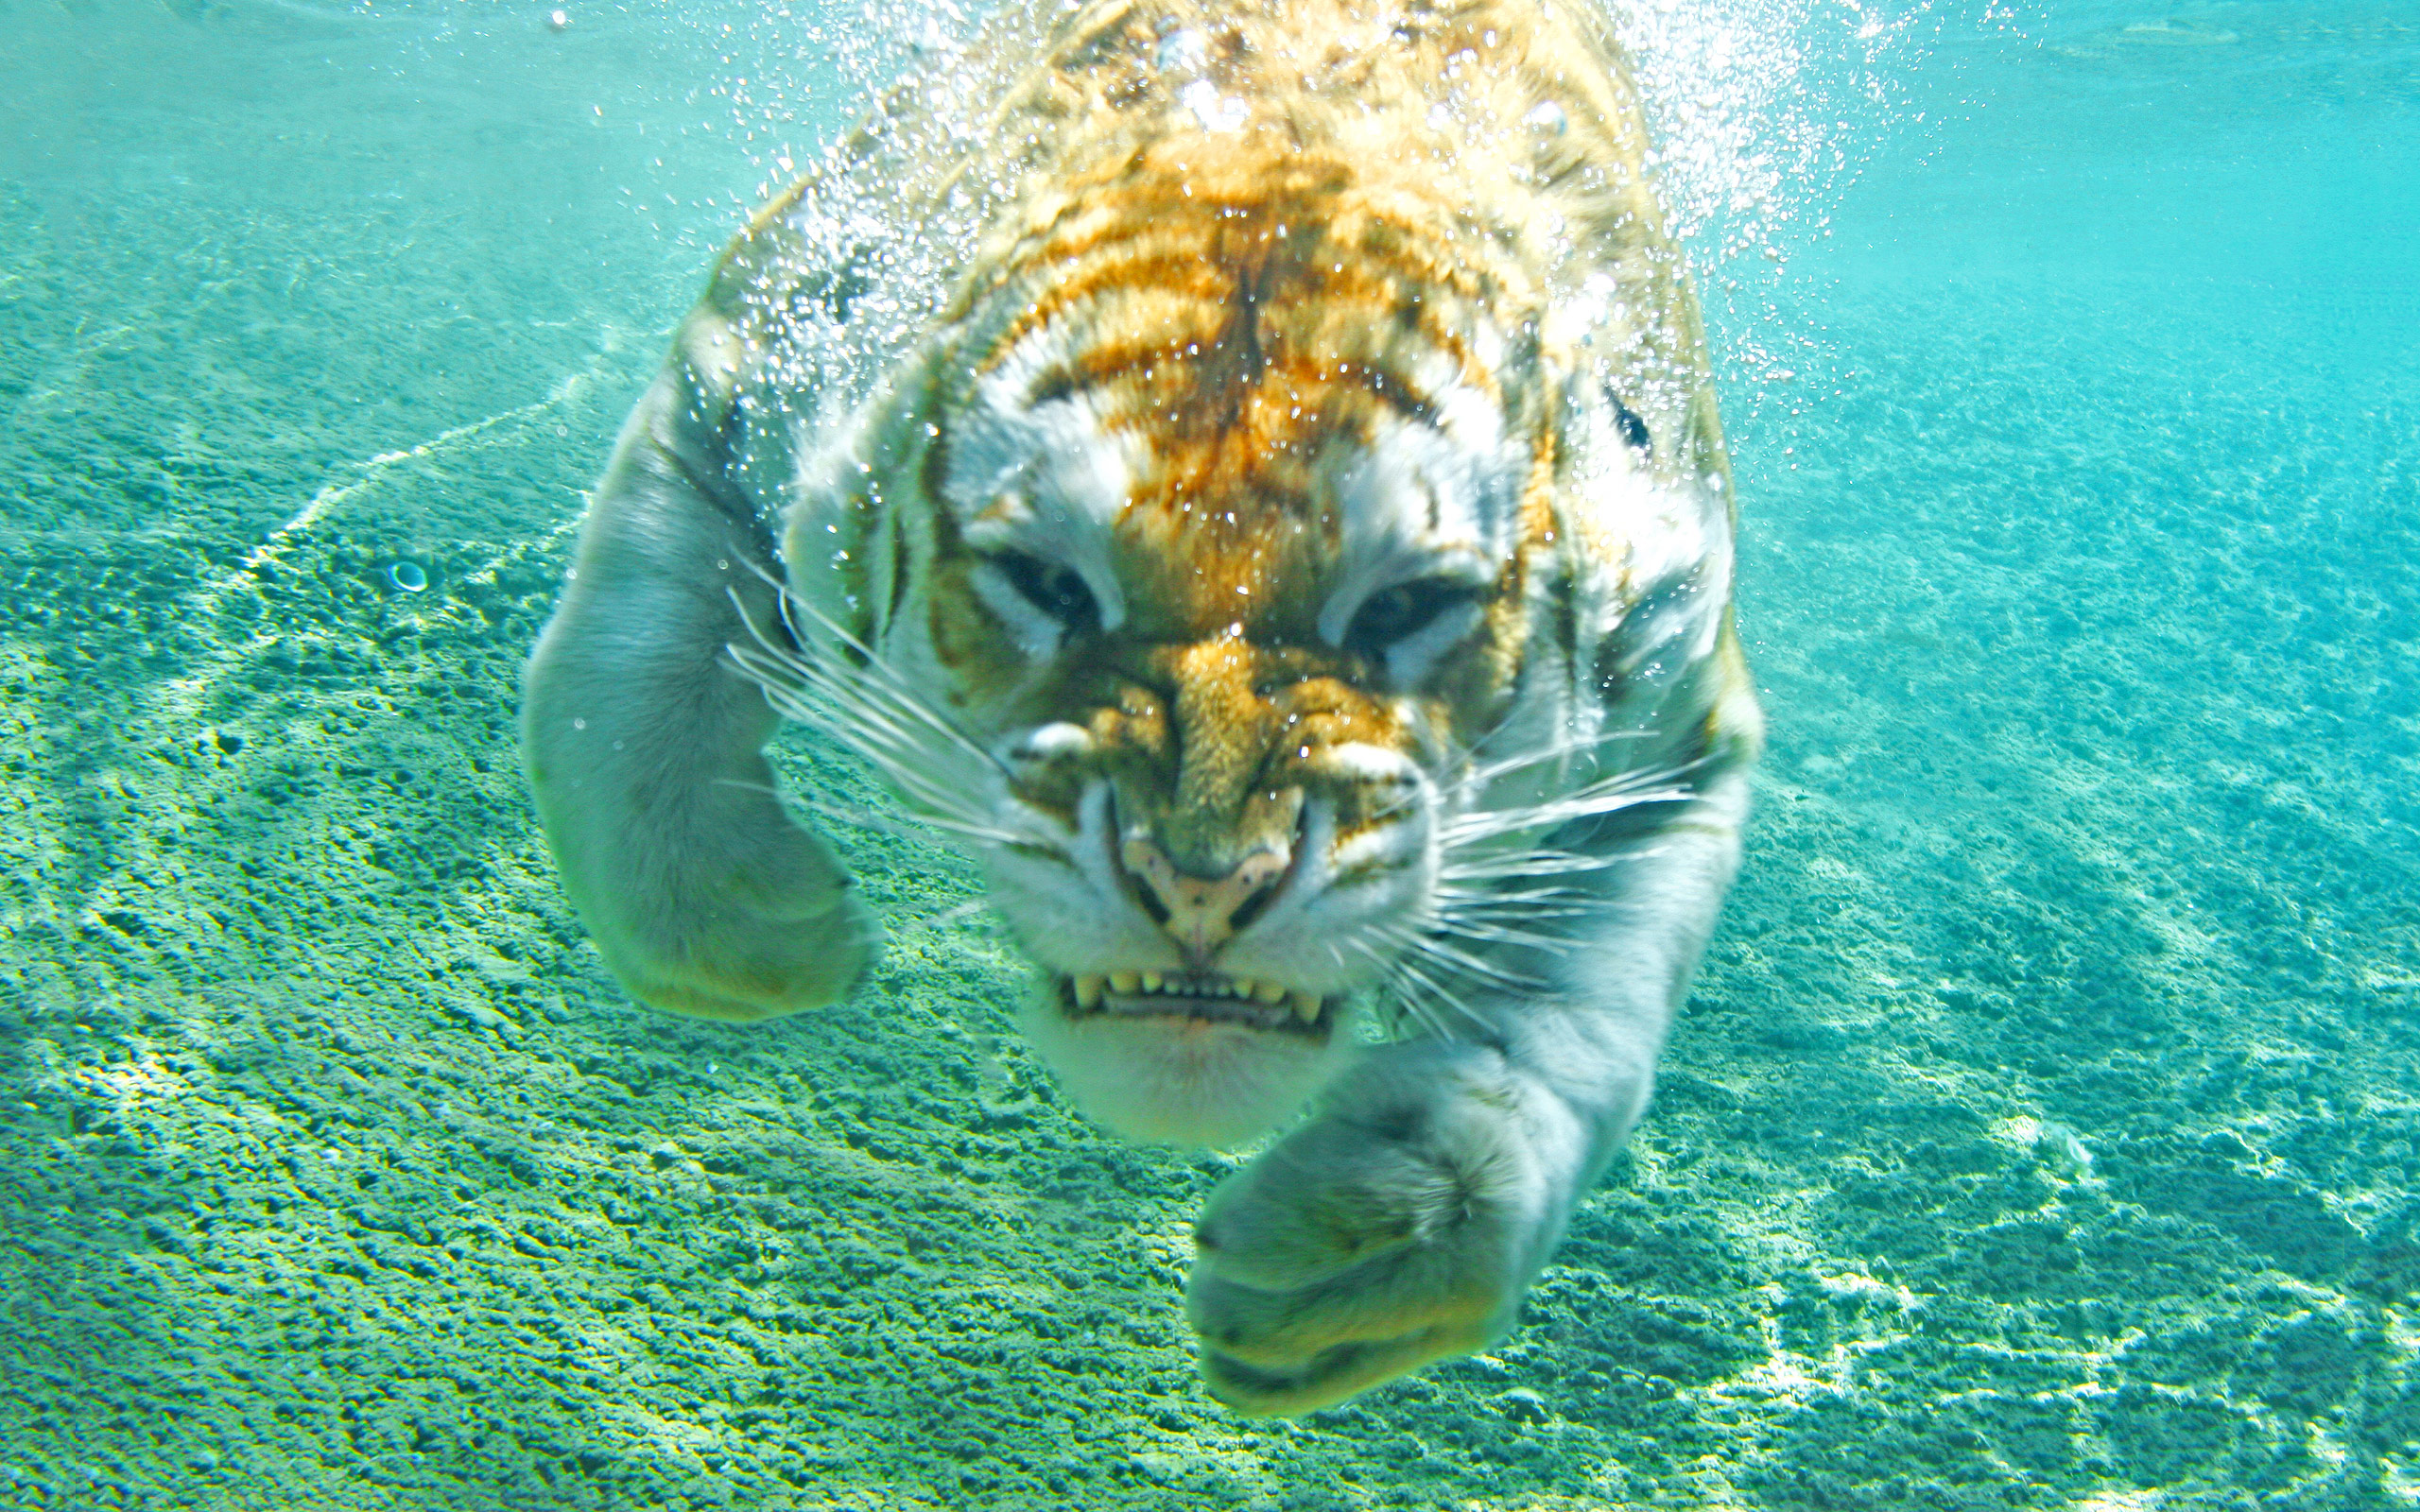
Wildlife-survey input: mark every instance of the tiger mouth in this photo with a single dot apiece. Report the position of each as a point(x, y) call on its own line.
point(1208, 997)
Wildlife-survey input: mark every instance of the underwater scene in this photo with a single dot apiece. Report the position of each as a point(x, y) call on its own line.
point(2043, 1128)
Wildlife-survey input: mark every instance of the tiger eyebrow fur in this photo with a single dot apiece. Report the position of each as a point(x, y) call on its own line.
point(1065, 379)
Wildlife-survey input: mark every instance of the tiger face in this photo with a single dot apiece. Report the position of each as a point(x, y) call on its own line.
point(1309, 507)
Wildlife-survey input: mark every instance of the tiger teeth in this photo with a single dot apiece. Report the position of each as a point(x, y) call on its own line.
point(1088, 990)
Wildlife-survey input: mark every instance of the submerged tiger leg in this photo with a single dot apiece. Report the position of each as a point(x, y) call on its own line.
point(1403, 1223)
point(644, 746)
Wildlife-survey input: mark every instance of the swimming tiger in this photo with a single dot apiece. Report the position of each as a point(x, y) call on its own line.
point(1289, 546)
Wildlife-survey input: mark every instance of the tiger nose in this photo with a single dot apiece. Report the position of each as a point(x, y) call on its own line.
point(1202, 912)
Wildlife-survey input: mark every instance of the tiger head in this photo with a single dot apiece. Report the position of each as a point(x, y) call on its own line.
point(1257, 552)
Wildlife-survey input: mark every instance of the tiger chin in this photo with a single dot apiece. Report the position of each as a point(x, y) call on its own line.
point(1288, 545)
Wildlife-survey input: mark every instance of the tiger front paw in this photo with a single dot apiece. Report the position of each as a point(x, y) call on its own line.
point(1399, 1226)
point(738, 923)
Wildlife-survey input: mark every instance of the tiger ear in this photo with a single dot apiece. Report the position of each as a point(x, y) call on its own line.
point(1603, 423)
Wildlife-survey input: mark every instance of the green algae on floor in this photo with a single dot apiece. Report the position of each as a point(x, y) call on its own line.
point(2045, 1131)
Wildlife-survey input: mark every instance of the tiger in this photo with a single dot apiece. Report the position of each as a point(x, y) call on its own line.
point(1288, 543)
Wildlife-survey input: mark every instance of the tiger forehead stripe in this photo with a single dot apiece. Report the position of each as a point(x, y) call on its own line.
point(1302, 380)
point(1320, 230)
point(1199, 310)
point(1192, 282)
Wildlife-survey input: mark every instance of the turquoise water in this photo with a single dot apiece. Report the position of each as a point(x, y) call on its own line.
point(2044, 1130)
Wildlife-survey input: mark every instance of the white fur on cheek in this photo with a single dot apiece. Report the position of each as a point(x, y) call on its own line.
point(1071, 911)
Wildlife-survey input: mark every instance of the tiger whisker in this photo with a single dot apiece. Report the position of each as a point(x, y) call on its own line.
point(1454, 955)
point(1588, 803)
point(1624, 780)
point(855, 712)
point(1500, 935)
point(1437, 1023)
point(1481, 776)
point(1411, 1004)
point(945, 917)
point(871, 674)
point(855, 704)
point(1456, 896)
point(1423, 942)
point(924, 824)
point(1522, 864)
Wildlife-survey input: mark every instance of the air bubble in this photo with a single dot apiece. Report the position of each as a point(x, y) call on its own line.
point(1217, 113)
point(1181, 52)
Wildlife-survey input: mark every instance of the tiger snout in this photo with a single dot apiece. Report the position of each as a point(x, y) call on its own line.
point(1232, 895)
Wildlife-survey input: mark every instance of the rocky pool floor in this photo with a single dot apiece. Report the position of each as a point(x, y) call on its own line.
point(2044, 1130)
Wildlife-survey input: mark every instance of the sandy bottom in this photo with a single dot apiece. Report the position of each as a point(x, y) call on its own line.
point(2044, 1130)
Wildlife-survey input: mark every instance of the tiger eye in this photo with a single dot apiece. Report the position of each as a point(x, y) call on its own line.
point(1405, 610)
point(1054, 588)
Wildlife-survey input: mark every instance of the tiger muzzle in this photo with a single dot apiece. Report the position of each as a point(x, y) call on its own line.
point(1205, 912)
